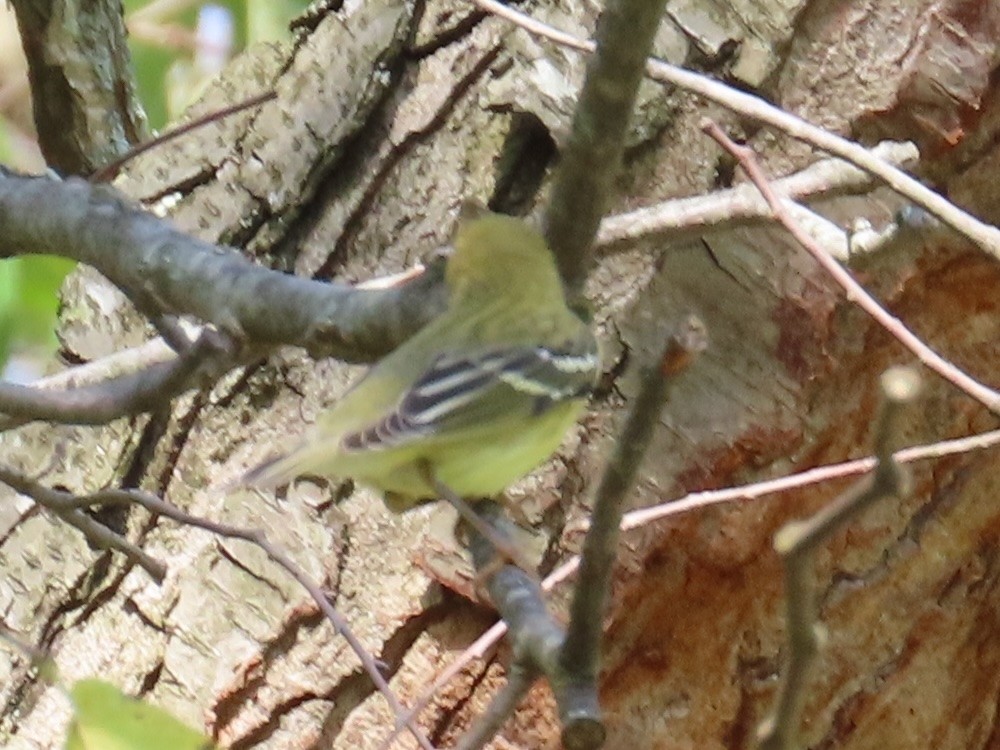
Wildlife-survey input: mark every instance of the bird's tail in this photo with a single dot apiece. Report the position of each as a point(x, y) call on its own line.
point(275, 472)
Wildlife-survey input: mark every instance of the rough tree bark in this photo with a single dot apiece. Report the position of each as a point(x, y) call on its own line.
point(387, 117)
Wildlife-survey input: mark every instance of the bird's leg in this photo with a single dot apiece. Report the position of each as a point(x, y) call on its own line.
point(506, 550)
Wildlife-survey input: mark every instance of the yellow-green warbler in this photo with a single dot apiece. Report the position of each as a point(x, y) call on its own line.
point(478, 397)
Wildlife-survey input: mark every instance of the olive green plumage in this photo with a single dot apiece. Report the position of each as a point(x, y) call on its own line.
point(480, 396)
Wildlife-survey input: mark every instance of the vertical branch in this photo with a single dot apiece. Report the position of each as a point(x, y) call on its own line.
point(579, 655)
point(83, 89)
point(797, 541)
point(593, 153)
point(519, 681)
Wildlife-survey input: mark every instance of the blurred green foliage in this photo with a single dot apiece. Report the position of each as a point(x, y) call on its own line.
point(104, 718)
point(160, 70)
point(168, 79)
point(28, 302)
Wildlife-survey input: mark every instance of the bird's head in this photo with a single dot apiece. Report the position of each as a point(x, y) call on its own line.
point(495, 254)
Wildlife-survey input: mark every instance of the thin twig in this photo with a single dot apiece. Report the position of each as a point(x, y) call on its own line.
point(591, 158)
point(645, 516)
point(570, 661)
point(67, 506)
point(519, 682)
point(111, 170)
point(984, 235)
point(63, 504)
point(485, 643)
point(796, 542)
point(259, 539)
point(478, 649)
point(503, 545)
point(580, 653)
point(133, 393)
point(742, 204)
point(855, 292)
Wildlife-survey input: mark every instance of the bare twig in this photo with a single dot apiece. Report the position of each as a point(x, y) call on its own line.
point(570, 661)
point(68, 507)
point(134, 393)
point(110, 171)
point(485, 643)
point(476, 650)
point(743, 203)
point(797, 541)
point(580, 653)
point(984, 235)
point(855, 292)
point(110, 400)
point(519, 681)
point(644, 516)
point(123, 362)
point(65, 506)
point(259, 539)
point(501, 543)
point(592, 155)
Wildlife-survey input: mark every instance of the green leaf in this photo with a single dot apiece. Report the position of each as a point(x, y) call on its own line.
point(40, 279)
point(10, 274)
point(29, 300)
point(107, 719)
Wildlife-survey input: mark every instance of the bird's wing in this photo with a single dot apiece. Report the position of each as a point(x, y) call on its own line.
point(464, 390)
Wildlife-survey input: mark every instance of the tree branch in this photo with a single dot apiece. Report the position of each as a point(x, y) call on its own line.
point(580, 653)
point(133, 393)
point(154, 264)
point(67, 507)
point(743, 204)
point(83, 89)
point(796, 542)
point(987, 237)
point(570, 661)
point(593, 152)
point(855, 292)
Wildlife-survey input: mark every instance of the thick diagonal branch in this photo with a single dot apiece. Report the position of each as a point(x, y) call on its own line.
point(158, 266)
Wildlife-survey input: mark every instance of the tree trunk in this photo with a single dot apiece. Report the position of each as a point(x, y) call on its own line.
point(386, 119)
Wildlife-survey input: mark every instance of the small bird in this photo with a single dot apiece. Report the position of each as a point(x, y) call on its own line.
point(474, 400)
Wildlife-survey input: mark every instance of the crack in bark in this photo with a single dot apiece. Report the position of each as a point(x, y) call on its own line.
point(184, 424)
point(97, 599)
point(907, 542)
point(354, 689)
point(77, 595)
point(145, 448)
point(28, 514)
point(344, 697)
point(24, 696)
point(186, 186)
point(227, 709)
point(239, 565)
point(524, 160)
point(151, 678)
point(131, 608)
point(446, 37)
point(396, 155)
point(453, 711)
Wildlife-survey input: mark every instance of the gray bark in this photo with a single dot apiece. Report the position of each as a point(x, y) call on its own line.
point(357, 170)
